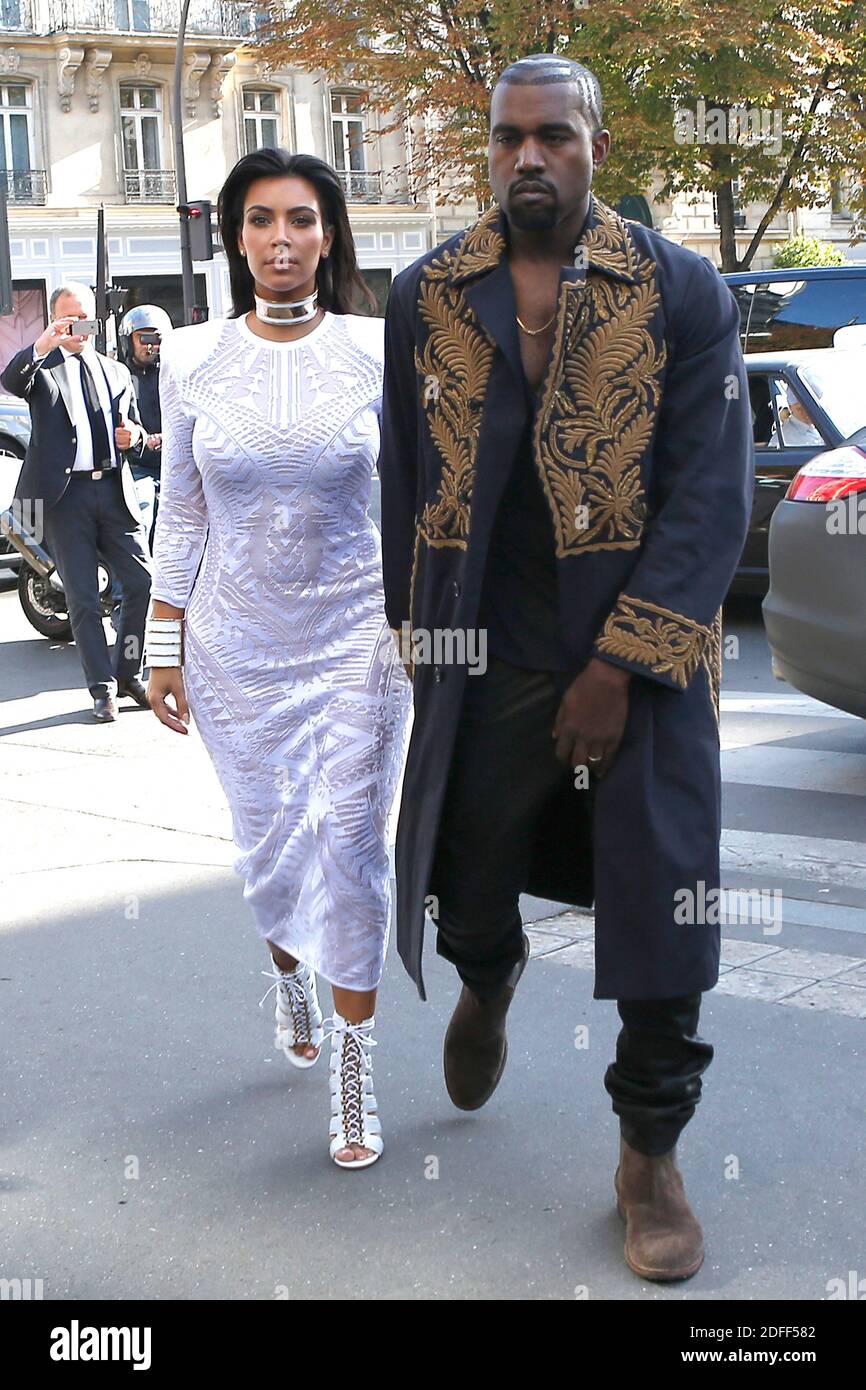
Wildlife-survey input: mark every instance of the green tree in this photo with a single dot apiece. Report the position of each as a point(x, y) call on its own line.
point(806, 250)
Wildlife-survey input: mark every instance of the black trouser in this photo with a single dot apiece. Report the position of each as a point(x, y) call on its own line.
point(91, 522)
point(503, 771)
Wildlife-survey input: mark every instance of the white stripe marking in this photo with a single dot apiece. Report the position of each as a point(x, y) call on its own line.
point(767, 702)
point(831, 862)
point(799, 769)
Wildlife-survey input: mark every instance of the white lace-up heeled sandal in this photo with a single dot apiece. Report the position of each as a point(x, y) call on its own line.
point(353, 1104)
point(298, 1016)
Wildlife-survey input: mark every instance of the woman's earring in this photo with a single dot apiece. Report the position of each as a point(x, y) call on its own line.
point(243, 252)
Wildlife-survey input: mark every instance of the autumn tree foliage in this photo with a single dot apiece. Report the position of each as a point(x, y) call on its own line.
point(785, 86)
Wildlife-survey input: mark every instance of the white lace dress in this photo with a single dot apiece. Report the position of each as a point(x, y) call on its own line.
point(291, 674)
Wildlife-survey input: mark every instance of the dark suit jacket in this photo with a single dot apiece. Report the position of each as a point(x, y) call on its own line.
point(643, 446)
point(47, 387)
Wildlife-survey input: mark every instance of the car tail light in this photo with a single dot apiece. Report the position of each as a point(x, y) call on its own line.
point(827, 476)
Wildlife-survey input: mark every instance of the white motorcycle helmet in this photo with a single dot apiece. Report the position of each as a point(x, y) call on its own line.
point(147, 316)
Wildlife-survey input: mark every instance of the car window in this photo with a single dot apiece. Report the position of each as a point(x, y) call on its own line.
point(744, 295)
point(837, 385)
point(788, 315)
point(763, 414)
point(794, 422)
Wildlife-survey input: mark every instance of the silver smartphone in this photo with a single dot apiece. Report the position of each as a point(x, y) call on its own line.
point(84, 328)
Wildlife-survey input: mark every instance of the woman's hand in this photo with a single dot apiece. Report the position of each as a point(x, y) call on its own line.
point(167, 681)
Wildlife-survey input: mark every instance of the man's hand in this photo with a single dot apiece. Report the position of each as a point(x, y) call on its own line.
point(590, 721)
point(56, 333)
point(127, 434)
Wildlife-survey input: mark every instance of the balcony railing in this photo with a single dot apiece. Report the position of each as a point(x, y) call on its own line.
point(361, 187)
point(374, 186)
point(215, 17)
point(24, 185)
point(149, 186)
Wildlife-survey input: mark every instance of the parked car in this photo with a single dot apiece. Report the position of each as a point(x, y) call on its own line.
point(14, 436)
point(796, 310)
point(803, 403)
point(815, 610)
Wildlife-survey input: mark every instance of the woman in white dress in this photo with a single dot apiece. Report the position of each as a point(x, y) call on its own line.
point(268, 620)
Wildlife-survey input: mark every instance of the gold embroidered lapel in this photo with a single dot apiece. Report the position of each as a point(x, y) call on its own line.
point(454, 368)
point(599, 399)
point(601, 395)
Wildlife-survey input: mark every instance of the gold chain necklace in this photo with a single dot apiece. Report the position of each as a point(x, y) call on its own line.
point(534, 332)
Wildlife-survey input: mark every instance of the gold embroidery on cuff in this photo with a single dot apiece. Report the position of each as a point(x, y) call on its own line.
point(711, 660)
point(416, 554)
point(667, 642)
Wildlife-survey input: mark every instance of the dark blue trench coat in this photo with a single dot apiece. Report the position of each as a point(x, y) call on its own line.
point(643, 445)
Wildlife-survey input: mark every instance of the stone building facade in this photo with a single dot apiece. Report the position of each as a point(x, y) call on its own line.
point(87, 117)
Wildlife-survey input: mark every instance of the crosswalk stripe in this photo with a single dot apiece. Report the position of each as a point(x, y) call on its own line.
point(768, 702)
point(807, 857)
point(754, 724)
point(758, 970)
point(796, 769)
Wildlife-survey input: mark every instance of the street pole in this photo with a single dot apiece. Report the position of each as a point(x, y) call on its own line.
point(6, 296)
point(180, 168)
point(101, 278)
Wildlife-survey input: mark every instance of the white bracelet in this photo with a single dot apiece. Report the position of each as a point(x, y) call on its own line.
point(164, 642)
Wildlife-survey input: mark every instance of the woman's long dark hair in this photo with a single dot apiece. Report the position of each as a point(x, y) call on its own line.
point(338, 280)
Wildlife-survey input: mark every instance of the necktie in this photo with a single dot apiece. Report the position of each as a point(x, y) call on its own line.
point(102, 454)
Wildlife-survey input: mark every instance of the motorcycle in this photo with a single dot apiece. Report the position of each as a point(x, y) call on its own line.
point(40, 587)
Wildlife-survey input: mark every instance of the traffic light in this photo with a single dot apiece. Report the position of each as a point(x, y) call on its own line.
point(200, 230)
point(5, 255)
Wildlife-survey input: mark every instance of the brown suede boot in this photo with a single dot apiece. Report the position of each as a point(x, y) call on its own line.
point(476, 1047)
point(663, 1239)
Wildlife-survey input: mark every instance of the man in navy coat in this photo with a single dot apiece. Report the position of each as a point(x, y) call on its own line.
point(566, 471)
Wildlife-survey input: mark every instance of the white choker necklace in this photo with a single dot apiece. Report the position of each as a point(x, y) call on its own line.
point(298, 312)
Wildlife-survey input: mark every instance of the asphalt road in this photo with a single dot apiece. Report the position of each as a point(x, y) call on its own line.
point(154, 1145)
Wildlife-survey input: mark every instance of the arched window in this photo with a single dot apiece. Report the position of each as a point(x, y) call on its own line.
point(23, 183)
point(348, 133)
point(261, 119)
point(145, 180)
point(842, 193)
point(347, 127)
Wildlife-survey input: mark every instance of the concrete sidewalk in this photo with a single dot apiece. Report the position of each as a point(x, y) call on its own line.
point(154, 1144)
point(134, 1046)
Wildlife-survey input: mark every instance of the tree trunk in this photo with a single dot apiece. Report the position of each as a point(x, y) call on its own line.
point(727, 236)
